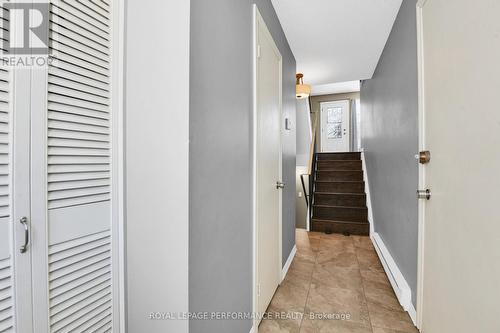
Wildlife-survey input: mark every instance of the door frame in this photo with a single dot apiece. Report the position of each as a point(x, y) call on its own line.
point(257, 19)
point(349, 115)
point(118, 188)
point(421, 167)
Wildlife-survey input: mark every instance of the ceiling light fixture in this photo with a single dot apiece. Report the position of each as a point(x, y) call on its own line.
point(302, 90)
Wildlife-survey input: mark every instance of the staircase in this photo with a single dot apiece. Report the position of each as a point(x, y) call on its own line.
point(339, 199)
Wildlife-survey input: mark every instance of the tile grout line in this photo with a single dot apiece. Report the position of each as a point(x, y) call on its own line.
point(363, 286)
point(310, 283)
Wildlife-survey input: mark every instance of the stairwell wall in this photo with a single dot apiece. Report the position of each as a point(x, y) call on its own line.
point(220, 157)
point(389, 117)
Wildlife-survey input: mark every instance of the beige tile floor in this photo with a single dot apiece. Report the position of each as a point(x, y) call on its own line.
point(340, 277)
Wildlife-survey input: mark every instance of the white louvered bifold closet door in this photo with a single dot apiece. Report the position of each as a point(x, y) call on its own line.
point(6, 237)
point(79, 167)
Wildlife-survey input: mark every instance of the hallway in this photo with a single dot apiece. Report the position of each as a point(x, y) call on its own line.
point(340, 276)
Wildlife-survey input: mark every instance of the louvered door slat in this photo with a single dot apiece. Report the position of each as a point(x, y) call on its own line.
point(7, 304)
point(90, 17)
point(77, 103)
point(56, 71)
point(79, 166)
point(61, 15)
point(78, 86)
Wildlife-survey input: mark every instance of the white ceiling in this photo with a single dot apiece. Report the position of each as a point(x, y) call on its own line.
point(336, 40)
point(335, 88)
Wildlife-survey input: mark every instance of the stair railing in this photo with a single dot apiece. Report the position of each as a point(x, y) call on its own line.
point(308, 193)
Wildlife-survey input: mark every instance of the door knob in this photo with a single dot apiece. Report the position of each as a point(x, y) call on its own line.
point(423, 157)
point(280, 185)
point(424, 194)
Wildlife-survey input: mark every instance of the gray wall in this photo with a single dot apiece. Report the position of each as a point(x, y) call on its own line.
point(220, 208)
point(303, 131)
point(156, 170)
point(389, 107)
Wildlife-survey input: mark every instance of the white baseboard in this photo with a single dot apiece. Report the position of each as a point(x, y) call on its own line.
point(413, 314)
point(288, 262)
point(308, 220)
point(367, 191)
point(396, 278)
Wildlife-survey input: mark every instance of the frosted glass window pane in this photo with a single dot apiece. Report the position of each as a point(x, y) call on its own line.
point(334, 115)
point(334, 131)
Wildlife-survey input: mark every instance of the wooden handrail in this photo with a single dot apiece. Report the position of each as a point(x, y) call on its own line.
point(311, 147)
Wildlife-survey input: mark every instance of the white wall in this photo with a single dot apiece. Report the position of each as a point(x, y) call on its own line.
point(156, 174)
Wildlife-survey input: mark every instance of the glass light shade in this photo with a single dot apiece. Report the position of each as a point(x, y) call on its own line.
point(302, 91)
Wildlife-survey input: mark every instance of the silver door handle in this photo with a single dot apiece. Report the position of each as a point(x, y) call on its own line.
point(280, 185)
point(424, 194)
point(24, 222)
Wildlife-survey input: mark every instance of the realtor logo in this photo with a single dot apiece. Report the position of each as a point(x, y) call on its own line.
point(27, 25)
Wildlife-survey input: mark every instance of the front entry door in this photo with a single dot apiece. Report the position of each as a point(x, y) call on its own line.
point(335, 127)
point(268, 165)
point(461, 128)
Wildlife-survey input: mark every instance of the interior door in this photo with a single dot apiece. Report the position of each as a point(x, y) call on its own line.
point(268, 171)
point(335, 127)
point(15, 219)
point(72, 172)
point(460, 52)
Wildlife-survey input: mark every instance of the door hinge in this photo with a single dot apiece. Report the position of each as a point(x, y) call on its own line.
point(258, 51)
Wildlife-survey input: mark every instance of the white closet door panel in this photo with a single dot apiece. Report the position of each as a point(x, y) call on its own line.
point(69, 223)
point(5, 244)
point(78, 166)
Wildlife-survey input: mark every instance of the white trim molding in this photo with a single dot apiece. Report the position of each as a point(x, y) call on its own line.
point(288, 262)
point(398, 282)
point(367, 191)
point(421, 168)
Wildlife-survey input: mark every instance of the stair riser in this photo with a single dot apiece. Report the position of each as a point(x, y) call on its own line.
point(340, 187)
point(338, 156)
point(339, 175)
point(340, 228)
point(341, 213)
point(339, 165)
point(346, 200)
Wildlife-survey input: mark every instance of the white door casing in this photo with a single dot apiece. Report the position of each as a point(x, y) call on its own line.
point(459, 232)
point(267, 155)
point(335, 126)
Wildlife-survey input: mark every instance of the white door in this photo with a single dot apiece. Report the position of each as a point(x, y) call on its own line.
point(72, 172)
point(56, 179)
point(460, 81)
point(15, 219)
point(268, 168)
point(335, 126)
